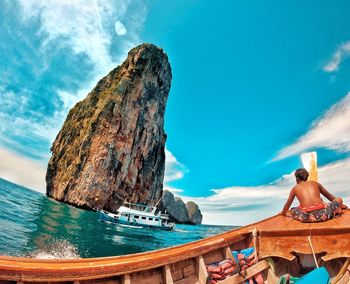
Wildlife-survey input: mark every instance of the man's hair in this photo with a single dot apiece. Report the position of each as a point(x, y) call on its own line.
point(301, 174)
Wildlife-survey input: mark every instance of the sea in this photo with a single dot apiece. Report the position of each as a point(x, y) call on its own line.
point(35, 226)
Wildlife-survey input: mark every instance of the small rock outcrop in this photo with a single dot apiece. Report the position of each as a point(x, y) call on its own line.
point(180, 212)
point(175, 207)
point(194, 214)
point(111, 146)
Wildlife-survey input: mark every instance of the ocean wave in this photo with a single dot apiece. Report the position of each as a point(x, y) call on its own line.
point(58, 249)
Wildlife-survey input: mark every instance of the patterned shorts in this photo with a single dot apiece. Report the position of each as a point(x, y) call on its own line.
point(321, 215)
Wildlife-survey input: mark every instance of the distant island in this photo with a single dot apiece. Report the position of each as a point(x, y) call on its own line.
point(111, 146)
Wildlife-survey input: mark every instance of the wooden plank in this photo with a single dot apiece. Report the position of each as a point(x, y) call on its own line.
point(166, 272)
point(330, 224)
point(213, 256)
point(201, 270)
point(152, 276)
point(190, 280)
point(335, 246)
point(251, 271)
point(343, 218)
point(112, 280)
point(15, 268)
point(189, 270)
point(227, 253)
point(126, 279)
point(279, 222)
point(329, 236)
point(306, 231)
point(271, 277)
point(176, 273)
point(344, 280)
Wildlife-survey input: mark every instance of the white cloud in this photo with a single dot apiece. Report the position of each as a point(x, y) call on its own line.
point(338, 56)
point(174, 170)
point(34, 126)
point(79, 25)
point(331, 131)
point(86, 27)
point(83, 27)
point(120, 28)
point(245, 205)
point(22, 171)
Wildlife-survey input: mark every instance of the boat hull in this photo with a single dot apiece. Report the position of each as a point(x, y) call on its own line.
point(105, 218)
point(278, 240)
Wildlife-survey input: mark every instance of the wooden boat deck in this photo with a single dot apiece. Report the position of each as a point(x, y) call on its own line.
point(282, 236)
point(278, 236)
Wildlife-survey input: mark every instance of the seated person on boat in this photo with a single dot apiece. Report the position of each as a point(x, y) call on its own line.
point(311, 208)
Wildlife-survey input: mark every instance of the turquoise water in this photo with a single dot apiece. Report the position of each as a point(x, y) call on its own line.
point(33, 225)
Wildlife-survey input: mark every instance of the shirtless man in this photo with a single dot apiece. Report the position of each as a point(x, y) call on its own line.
point(311, 208)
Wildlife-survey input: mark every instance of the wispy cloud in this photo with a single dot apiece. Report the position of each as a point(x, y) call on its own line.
point(120, 28)
point(244, 205)
point(56, 51)
point(338, 56)
point(22, 171)
point(79, 25)
point(331, 131)
point(174, 170)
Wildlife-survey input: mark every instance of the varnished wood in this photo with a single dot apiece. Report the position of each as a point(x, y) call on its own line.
point(278, 236)
point(167, 278)
point(227, 253)
point(201, 269)
point(344, 280)
point(271, 277)
point(251, 271)
point(126, 279)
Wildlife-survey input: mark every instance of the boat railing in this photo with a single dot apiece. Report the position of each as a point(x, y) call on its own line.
point(140, 207)
point(165, 216)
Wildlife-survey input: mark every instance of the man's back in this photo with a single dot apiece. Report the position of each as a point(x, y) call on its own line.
point(312, 208)
point(308, 193)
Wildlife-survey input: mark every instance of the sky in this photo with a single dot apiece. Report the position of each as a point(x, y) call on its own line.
point(255, 85)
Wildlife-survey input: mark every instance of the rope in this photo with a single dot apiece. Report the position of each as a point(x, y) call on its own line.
point(312, 249)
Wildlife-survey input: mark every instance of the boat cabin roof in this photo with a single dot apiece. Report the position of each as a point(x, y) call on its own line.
point(124, 209)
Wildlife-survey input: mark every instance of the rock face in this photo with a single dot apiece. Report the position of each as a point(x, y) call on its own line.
point(178, 211)
point(175, 207)
point(111, 146)
point(194, 213)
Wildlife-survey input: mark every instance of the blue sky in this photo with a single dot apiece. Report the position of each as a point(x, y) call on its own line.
point(255, 84)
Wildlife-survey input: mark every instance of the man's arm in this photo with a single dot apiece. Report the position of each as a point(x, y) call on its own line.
point(331, 197)
point(289, 201)
point(325, 193)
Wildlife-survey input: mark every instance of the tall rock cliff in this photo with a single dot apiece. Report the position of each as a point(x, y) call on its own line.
point(111, 146)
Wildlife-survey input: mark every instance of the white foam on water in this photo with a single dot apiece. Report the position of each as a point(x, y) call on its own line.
point(60, 249)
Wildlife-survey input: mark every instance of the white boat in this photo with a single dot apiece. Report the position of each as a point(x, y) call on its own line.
point(138, 215)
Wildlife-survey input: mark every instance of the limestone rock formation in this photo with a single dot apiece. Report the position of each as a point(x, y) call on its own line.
point(194, 213)
point(180, 212)
point(175, 207)
point(111, 146)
